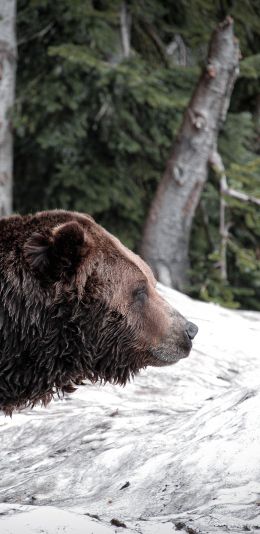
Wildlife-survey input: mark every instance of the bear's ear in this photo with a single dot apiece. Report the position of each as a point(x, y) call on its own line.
point(56, 252)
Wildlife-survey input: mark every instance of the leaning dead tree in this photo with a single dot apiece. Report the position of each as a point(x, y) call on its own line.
point(7, 85)
point(166, 235)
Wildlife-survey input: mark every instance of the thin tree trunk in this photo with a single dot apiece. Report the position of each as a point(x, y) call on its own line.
point(218, 166)
point(7, 85)
point(166, 235)
point(125, 24)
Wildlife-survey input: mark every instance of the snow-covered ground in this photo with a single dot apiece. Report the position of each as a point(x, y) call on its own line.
point(176, 450)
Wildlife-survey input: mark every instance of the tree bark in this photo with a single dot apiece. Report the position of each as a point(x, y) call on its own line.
point(165, 244)
point(125, 24)
point(7, 87)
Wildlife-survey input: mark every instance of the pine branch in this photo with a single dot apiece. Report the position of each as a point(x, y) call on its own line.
point(38, 35)
point(150, 31)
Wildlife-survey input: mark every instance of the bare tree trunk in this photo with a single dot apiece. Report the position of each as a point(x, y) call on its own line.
point(166, 235)
point(225, 191)
point(7, 85)
point(125, 24)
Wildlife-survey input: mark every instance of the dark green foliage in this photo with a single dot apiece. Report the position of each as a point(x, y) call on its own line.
point(242, 218)
point(92, 134)
point(94, 130)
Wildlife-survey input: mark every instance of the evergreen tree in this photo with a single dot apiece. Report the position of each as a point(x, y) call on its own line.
point(94, 128)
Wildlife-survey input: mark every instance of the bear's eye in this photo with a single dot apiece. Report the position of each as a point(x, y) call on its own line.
point(140, 294)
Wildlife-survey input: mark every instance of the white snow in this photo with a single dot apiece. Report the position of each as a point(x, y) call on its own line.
point(48, 519)
point(186, 438)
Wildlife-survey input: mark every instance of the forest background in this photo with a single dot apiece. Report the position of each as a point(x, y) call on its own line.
point(94, 123)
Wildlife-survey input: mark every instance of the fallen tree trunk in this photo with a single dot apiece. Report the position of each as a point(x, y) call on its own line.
point(7, 84)
point(165, 244)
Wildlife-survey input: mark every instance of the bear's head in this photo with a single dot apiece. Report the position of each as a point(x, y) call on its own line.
point(76, 305)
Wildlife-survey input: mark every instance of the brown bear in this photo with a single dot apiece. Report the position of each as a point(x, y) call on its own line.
point(76, 304)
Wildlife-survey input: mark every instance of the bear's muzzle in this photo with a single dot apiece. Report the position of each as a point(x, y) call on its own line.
point(177, 344)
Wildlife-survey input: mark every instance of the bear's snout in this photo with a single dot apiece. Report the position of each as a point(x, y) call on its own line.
point(177, 344)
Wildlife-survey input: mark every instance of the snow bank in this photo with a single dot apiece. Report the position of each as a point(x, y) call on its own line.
point(179, 448)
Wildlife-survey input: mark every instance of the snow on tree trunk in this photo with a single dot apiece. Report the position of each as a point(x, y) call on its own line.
point(7, 85)
point(166, 235)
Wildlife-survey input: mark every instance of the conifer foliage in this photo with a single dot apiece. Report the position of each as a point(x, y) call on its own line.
point(94, 124)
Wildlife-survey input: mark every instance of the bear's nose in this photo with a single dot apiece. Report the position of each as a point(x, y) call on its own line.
point(191, 330)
